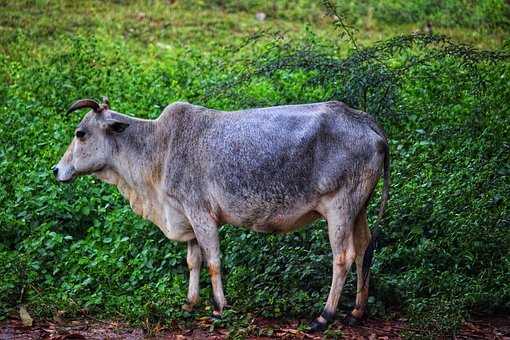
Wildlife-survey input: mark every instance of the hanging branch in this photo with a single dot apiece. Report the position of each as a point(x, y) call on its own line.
point(339, 22)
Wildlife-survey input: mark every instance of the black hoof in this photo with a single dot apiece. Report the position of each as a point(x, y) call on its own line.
point(351, 320)
point(317, 326)
point(216, 315)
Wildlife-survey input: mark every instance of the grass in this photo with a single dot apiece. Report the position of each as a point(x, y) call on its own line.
point(182, 25)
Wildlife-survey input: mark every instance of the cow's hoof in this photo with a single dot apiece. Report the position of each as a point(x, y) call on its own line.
point(216, 315)
point(318, 326)
point(351, 320)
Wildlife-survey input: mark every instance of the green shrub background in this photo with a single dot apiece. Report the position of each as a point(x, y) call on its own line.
point(445, 244)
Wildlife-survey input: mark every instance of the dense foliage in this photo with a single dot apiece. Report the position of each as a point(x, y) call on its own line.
point(445, 243)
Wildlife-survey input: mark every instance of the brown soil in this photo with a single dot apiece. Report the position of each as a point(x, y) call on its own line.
point(87, 328)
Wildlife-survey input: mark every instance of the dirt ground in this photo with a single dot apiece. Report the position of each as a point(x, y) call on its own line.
point(87, 328)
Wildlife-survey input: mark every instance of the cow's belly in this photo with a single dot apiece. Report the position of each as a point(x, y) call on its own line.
point(278, 222)
point(284, 223)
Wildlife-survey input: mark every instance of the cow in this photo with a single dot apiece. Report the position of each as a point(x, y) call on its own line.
point(271, 169)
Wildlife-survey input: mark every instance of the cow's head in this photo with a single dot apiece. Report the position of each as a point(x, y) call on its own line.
point(92, 147)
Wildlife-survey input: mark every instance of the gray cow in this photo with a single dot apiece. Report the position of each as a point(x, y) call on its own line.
point(269, 169)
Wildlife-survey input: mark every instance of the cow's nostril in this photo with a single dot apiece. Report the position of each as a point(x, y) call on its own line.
point(55, 170)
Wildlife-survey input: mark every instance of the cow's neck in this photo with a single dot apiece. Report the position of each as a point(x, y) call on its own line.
point(137, 153)
point(136, 169)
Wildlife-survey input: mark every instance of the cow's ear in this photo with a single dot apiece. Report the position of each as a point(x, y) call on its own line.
point(115, 125)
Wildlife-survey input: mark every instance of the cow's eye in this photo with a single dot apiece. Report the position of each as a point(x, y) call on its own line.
point(80, 134)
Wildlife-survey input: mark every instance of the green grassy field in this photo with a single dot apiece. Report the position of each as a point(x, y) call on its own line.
point(445, 244)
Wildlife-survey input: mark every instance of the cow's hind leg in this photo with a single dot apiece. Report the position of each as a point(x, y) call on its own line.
point(340, 217)
point(194, 260)
point(362, 238)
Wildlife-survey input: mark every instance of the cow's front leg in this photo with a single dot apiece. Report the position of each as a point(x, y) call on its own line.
point(206, 232)
point(194, 260)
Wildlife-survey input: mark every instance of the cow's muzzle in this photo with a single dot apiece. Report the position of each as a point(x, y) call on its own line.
point(62, 176)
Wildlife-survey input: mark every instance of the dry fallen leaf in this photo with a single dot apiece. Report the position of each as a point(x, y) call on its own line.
point(57, 316)
point(25, 317)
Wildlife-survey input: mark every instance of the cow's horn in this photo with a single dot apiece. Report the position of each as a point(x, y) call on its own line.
point(106, 103)
point(80, 104)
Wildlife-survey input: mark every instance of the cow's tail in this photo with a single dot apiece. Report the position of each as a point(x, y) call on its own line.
point(369, 252)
